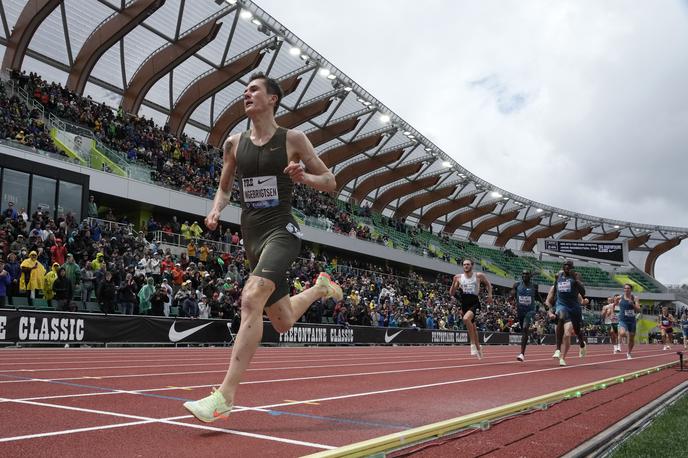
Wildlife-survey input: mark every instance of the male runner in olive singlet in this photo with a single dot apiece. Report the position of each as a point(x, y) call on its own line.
point(267, 161)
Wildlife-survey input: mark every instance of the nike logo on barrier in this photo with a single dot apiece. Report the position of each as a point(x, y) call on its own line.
point(176, 336)
point(487, 338)
point(389, 338)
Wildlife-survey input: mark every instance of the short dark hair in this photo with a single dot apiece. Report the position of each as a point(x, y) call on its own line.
point(271, 85)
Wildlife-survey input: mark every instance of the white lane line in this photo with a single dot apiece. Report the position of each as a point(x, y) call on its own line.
point(221, 359)
point(153, 420)
point(145, 420)
point(83, 430)
point(450, 382)
point(225, 361)
point(317, 377)
point(33, 379)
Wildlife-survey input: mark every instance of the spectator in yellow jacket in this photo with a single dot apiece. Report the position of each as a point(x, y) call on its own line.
point(97, 262)
point(32, 275)
point(196, 230)
point(48, 281)
point(186, 231)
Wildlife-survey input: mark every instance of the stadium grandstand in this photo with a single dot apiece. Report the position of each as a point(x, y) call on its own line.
point(113, 117)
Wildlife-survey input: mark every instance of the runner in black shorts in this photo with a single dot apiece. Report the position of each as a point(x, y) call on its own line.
point(666, 327)
point(524, 296)
point(267, 160)
point(467, 285)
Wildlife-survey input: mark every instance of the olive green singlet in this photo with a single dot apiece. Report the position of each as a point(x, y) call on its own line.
point(272, 238)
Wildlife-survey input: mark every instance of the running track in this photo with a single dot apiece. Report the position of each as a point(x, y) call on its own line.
point(294, 401)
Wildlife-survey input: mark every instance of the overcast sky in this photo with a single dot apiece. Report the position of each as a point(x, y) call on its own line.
point(578, 104)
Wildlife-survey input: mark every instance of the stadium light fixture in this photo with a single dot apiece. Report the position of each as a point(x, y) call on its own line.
point(331, 76)
point(304, 57)
point(428, 149)
point(294, 51)
point(324, 72)
point(616, 226)
point(245, 14)
point(446, 164)
point(407, 133)
point(385, 118)
point(256, 22)
point(495, 194)
point(348, 88)
point(539, 210)
point(232, 2)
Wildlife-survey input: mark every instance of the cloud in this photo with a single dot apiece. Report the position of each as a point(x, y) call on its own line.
point(507, 101)
point(577, 104)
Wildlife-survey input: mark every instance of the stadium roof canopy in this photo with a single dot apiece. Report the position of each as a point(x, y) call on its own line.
point(186, 62)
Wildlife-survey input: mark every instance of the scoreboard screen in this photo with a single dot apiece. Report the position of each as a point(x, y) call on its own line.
point(608, 252)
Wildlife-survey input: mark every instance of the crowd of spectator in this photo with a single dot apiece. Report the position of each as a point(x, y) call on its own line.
point(180, 163)
point(123, 269)
point(22, 124)
point(184, 164)
point(127, 271)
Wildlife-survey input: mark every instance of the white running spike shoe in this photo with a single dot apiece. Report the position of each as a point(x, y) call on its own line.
point(210, 408)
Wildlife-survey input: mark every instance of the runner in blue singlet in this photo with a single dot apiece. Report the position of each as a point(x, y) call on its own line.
point(567, 288)
point(524, 296)
point(629, 306)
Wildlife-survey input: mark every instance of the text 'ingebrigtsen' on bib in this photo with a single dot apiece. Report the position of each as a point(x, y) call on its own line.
point(260, 192)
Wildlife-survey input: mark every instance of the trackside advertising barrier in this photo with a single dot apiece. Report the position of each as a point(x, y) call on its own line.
point(38, 327)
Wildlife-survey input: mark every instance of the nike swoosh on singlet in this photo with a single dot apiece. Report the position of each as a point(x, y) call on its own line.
point(389, 338)
point(275, 148)
point(176, 336)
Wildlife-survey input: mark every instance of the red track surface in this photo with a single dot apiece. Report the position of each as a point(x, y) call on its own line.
point(294, 401)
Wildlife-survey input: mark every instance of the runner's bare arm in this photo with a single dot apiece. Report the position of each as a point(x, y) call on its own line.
point(224, 190)
point(313, 173)
point(454, 286)
point(549, 302)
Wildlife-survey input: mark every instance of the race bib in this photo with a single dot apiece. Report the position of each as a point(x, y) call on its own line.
point(260, 192)
point(525, 300)
point(564, 286)
point(630, 313)
point(468, 288)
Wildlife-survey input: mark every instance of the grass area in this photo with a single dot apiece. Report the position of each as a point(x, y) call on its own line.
point(665, 437)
